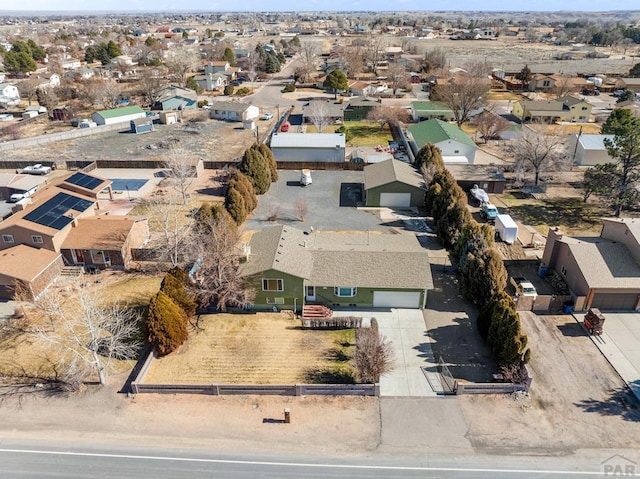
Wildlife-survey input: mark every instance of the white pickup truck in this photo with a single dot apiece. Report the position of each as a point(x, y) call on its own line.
point(37, 169)
point(523, 286)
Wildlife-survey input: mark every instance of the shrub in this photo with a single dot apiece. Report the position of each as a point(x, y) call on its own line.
point(430, 157)
point(255, 166)
point(177, 291)
point(228, 90)
point(240, 182)
point(166, 325)
point(234, 203)
point(289, 88)
point(374, 354)
point(206, 215)
point(504, 335)
point(243, 91)
point(271, 160)
point(202, 103)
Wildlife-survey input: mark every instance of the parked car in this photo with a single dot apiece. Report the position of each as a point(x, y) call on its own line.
point(489, 212)
point(524, 287)
point(617, 93)
point(266, 116)
point(14, 198)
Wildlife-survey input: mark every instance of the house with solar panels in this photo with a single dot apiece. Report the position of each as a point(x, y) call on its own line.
point(64, 217)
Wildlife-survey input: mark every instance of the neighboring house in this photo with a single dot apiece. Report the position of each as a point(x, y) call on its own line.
point(47, 81)
point(176, 98)
point(393, 53)
point(118, 115)
point(39, 110)
point(121, 62)
point(358, 108)
point(28, 266)
point(216, 67)
point(288, 267)
point(541, 82)
point(455, 145)
point(9, 95)
point(69, 63)
point(333, 111)
point(630, 84)
point(426, 110)
point(104, 241)
point(563, 109)
point(309, 147)
point(591, 150)
point(363, 88)
point(601, 271)
point(211, 81)
point(395, 184)
point(234, 111)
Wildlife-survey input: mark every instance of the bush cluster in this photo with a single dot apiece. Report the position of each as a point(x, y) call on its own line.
point(483, 276)
point(169, 313)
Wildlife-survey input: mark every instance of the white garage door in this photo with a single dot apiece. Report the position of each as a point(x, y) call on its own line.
point(396, 299)
point(395, 199)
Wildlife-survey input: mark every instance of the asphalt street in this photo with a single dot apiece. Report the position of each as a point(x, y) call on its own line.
point(25, 462)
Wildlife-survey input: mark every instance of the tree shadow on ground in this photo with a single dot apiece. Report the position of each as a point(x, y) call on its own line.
point(445, 297)
point(330, 375)
point(621, 402)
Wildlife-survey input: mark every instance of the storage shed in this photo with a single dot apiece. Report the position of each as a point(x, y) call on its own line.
point(393, 183)
point(118, 115)
point(142, 125)
point(309, 147)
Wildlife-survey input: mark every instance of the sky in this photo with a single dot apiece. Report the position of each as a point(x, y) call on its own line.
point(311, 5)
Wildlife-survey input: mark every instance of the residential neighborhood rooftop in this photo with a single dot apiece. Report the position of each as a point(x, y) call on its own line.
point(307, 140)
point(391, 170)
point(434, 131)
point(25, 262)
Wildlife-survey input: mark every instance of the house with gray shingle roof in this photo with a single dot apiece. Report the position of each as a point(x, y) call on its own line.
point(601, 271)
point(566, 108)
point(288, 267)
point(233, 111)
point(455, 144)
point(393, 183)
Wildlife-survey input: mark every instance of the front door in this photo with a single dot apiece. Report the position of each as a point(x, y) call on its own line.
point(310, 293)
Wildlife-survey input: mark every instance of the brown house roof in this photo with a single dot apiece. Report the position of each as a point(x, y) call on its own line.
point(25, 262)
point(102, 232)
point(390, 171)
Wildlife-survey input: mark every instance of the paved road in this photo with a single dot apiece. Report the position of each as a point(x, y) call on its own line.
point(29, 462)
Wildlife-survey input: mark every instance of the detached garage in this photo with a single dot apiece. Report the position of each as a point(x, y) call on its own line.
point(393, 184)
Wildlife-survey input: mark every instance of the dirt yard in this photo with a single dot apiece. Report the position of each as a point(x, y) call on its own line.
point(577, 399)
point(263, 348)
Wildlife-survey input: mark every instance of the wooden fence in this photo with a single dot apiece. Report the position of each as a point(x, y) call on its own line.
point(546, 303)
point(137, 387)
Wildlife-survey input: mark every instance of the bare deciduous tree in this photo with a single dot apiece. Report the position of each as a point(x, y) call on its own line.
point(489, 124)
point(435, 58)
point(91, 334)
point(374, 354)
point(318, 114)
point(397, 77)
point(388, 115)
point(309, 52)
point(182, 172)
point(217, 248)
point(536, 151)
point(150, 87)
point(463, 95)
point(28, 88)
point(562, 87)
point(181, 62)
point(374, 51)
point(167, 218)
point(111, 91)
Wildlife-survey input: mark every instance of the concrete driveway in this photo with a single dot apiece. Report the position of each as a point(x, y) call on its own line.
point(406, 330)
point(322, 199)
point(620, 344)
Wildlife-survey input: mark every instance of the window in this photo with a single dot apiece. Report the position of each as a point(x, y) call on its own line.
point(275, 300)
point(345, 292)
point(456, 152)
point(7, 238)
point(272, 285)
point(546, 83)
point(36, 239)
point(563, 270)
point(584, 108)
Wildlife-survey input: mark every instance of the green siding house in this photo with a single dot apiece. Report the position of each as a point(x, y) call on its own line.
point(289, 268)
point(426, 110)
point(359, 107)
point(393, 183)
point(176, 98)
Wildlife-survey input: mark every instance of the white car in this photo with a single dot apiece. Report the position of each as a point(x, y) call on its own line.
point(37, 169)
point(266, 116)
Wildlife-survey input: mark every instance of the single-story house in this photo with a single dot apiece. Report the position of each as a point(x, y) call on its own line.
point(176, 98)
point(309, 147)
point(332, 111)
point(118, 115)
point(426, 110)
point(141, 125)
point(289, 268)
point(211, 81)
point(34, 267)
point(488, 177)
point(234, 111)
point(632, 84)
point(591, 150)
point(104, 241)
point(567, 108)
point(601, 271)
point(11, 183)
point(455, 144)
point(393, 183)
point(358, 108)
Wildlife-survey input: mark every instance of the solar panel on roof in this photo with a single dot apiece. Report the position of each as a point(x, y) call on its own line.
point(52, 212)
point(84, 181)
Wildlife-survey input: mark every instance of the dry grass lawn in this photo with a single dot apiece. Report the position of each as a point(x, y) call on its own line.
point(263, 348)
point(23, 353)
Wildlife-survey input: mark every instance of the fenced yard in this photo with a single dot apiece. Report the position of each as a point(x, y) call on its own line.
point(263, 348)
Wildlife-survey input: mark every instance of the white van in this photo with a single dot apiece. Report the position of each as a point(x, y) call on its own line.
point(305, 178)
